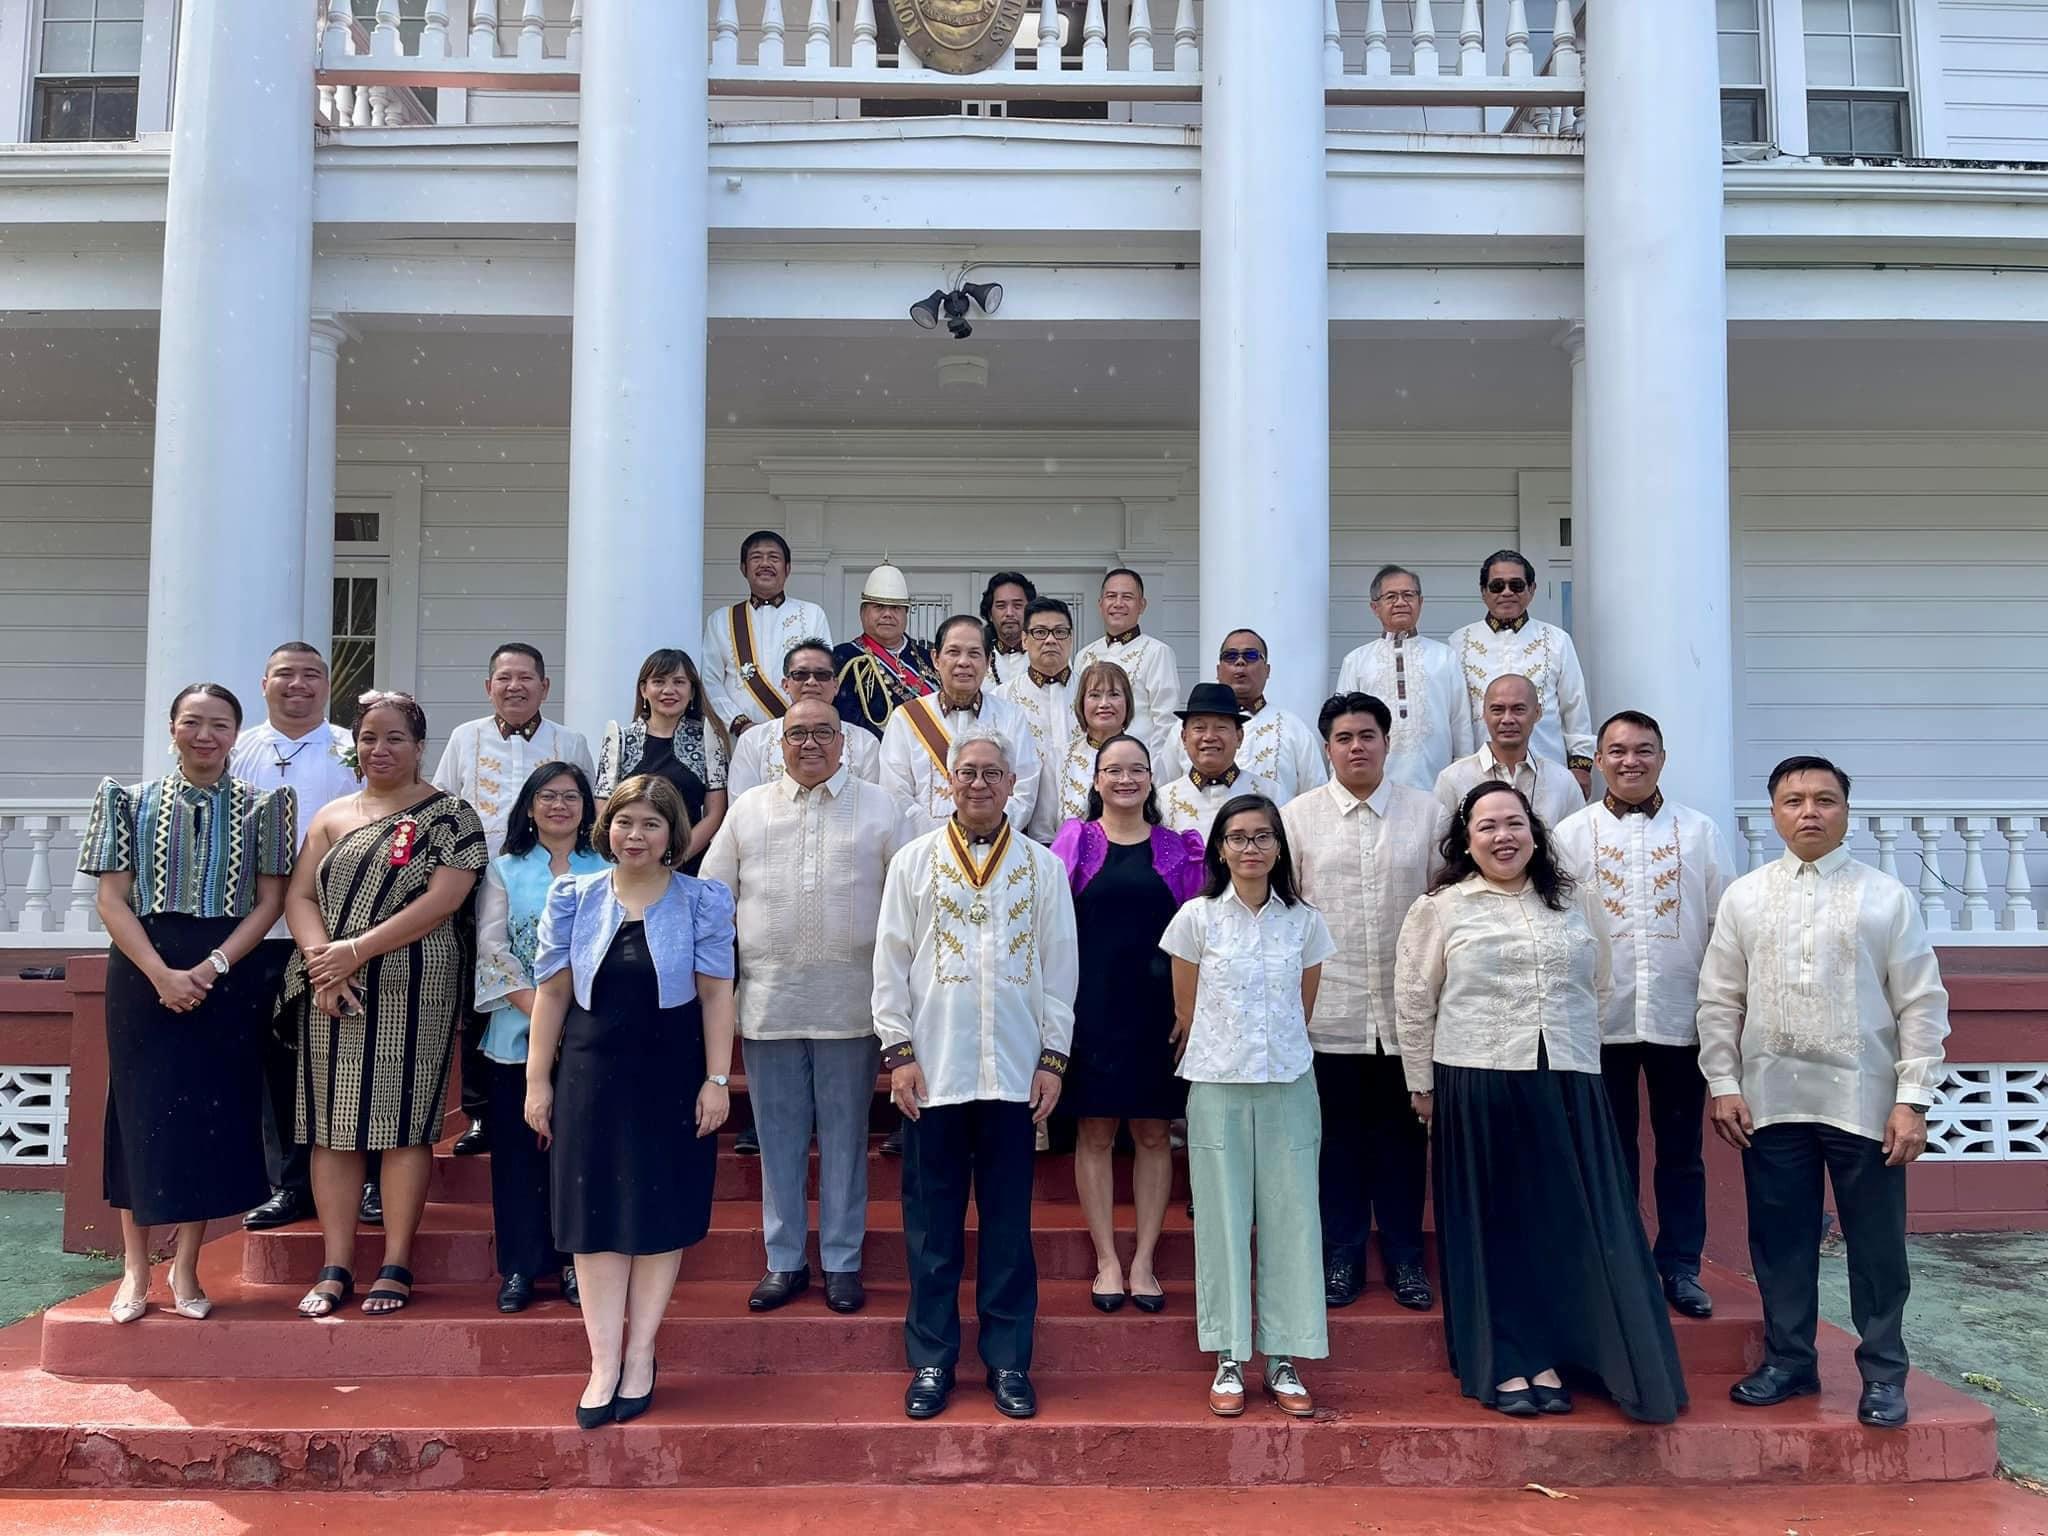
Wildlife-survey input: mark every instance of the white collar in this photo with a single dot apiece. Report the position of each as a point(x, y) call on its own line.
point(832, 786)
point(1347, 802)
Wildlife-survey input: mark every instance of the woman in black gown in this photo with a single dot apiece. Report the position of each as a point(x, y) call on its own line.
point(1129, 876)
point(673, 735)
point(633, 976)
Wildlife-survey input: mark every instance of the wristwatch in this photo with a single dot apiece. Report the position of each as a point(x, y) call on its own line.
point(718, 1079)
point(219, 962)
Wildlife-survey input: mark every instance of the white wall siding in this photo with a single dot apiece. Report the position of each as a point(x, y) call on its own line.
point(1993, 63)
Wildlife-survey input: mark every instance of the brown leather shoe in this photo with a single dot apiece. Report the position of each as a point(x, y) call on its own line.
point(1226, 1392)
point(1287, 1392)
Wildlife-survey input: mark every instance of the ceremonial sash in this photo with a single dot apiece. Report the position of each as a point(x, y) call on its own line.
point(978, 873)
point(896, 668)
point(923, 716)
point(765, 693)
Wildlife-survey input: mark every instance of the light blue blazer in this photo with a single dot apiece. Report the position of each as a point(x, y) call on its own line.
point(689, 931)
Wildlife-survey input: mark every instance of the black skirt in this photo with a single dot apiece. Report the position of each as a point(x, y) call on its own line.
point(1543, 1259)
point(184, 1129)
point(631, 1174)
point(1122, 1056)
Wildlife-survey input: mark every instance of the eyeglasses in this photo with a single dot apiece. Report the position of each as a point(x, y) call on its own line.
point(1513, 584)
point(1238, 842)
point(1399, 596)
point(1249, 657)
point(1041, 632)
point(980, 775)
point(818, 733)
point(1119, 774)
point(809, 675)
point(559, 797)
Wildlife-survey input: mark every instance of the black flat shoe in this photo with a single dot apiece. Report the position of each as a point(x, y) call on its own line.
point(1107, 1301)
point(844, 1292)
point(1551, 1399)
point(1771, 1384)
point(747, 1143)
point(628, 1408)
point(1152, 1305)
point(1341, 1284)
point(1411, 1288)
point(778, 1288)
point(925, 1397)
point(572, 1293)
point(1015, 1397)
point(1687, 1296)
point(591, 1418)
point(1882, 1405)
point(516, 1294)
point(1519, 1404)
point(370, 1209)
point(284, 1207)
point(474, 1142)
point(892, 1144)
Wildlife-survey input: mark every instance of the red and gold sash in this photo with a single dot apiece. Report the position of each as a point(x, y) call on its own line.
point(741, 624)
point(896, 667)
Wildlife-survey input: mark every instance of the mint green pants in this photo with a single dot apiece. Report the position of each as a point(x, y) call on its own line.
point(1252, 1156)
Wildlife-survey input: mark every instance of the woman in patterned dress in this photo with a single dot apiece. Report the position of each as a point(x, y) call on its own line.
point(676, 736)
point(378, 984)
point(192, 871)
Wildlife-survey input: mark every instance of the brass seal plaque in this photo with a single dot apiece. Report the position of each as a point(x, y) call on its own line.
point(958, 37)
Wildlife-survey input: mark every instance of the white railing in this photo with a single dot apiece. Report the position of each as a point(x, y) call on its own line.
point(45, 903)
point(1969, 861)
point(1130, 50)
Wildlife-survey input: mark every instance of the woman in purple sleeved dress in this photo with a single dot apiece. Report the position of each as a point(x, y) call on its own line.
point(1129, 876)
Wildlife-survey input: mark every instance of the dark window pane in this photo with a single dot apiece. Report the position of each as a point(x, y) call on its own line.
point(1878, 127)
point(113, 113)
point(355, 665)
point(362, 615)
point(355, 528)
point(1827, 125)
point(1742, 120)
point(63, 112)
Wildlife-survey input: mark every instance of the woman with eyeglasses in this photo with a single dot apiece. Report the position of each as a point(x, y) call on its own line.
point(1129, 875)
point(547, 835)
point(377, 986)
point(674, 735)
point(1247, 957)
point(1500, 978)
point(1103, 705)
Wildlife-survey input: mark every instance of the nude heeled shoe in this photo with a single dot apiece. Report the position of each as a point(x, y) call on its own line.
point(127, 1311)
point(197, 1307)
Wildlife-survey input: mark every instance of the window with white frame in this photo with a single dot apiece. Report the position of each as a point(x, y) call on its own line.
point(88, 69)
point(1855, 77)
point(1739, 25)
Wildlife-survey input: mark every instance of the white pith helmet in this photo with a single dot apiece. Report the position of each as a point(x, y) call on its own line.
point(885, 584)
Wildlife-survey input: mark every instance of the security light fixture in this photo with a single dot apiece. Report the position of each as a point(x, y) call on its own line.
point(926, 311)
point(956, 306)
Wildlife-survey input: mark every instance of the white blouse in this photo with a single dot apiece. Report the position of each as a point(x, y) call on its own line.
point(1278, 747)
point(1482, 976)
point(1549, 786)
point(1063, 789)
point(1248, 1023)
point(1418, 680)
point(757, 757)
point(1154, 672)
point(1820, 996)
point(918, 780)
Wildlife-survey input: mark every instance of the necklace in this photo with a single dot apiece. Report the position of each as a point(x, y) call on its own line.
point(286, 759)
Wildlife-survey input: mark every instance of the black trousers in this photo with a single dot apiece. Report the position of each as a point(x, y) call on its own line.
point(1782, 1171)
point(288, 1162)
point(1375, 1159)
point(985, 1145)
point(519, 1177)
point(477, 1070)
point(1678, 1106)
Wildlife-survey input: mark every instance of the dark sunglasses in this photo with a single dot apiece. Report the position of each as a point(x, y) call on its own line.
point(1513, 584)
point(1249, 657)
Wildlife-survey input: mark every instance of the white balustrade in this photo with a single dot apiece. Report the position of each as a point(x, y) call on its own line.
point(1973, 864)
point(45, 903)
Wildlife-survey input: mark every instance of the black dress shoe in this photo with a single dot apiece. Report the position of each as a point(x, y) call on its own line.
point(1688, 1296)
point(591, 1418)
point(1411, 1288)
point(747, 1143)
point(1107, 1301)
point(624, 1408)
point(892, 1144)
point(1882, 1405)
point(1154, 1304)
point(572, 1293)
point(1550, 1399)
point(284, 1207)
point(778, 1287)
point(843, 1290)
point(1518, 1404)
point(371, 1208)
point(473, 1142)
point(1769, 1384)
point(516, 1294)
point(930, 1386)
point(1342, 1283)
point(1015, 1398)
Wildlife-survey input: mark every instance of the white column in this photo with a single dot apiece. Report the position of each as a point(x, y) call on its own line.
point(1265, 359)
point(1657, 390)
point(226, 538)
point(316, 623)
point(1572, 342)
point(636, 419)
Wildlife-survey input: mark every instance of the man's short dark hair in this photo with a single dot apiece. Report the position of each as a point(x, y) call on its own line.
point(1051, 605)
point(947, 626)
point(1005, 579)
point(1380, 576)
point(813, 643)
point(295, 648)
point(1634, 717)
point(1808, 764)
point(518, 648)
point(1338, 705)
point(1124, 570)
point(1244, 629)
point(765, 536)
point(1507, 557)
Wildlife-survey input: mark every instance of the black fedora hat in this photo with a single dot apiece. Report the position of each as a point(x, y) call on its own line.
point(1213, 699)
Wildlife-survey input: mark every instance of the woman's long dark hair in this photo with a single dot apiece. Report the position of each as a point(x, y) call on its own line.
point(1550, 881)
point(1094, 811)
point(522, 832)
point(1281, 879)
point(667, 662)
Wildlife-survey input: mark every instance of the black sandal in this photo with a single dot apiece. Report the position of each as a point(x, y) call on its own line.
point(399, 1300)
point(328, 1305)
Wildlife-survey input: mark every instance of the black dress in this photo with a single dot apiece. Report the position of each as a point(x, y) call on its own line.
point(658, 757)
point(631, 1174)
point(1122, 1060)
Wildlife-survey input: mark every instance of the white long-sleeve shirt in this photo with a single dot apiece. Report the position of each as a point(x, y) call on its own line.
point(1418, 680)
point(488, 768)
point(1284, 750)
point(1363, 864)
point(1820, 996)
point(1048, 709)
point(775, 630)
point(805, 867)
point(757, 758)
point(980, 1005)
point(1657, 880)
point(314, 765)
point(1186, 806)
point(1154, 672)
point(1544, 654)
point(1548, 784)
point(918, 779)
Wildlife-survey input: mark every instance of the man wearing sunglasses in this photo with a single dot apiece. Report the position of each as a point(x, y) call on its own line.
point(1278, 746)
point(1508, 640)
point(1418, 678)
point(807, 673)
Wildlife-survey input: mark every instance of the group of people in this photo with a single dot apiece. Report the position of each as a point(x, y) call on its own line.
point(1327, 955)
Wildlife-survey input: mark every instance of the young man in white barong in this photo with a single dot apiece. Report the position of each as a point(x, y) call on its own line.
point(1514, 711)
point(1821, 1020)
point(917, 742)
point(1278, 746)
point(1509, 640)
point(745, 642)
point(1419, 680)
point(975, 972)
point(1658, 869)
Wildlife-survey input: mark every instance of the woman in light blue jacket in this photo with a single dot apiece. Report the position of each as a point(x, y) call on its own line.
point(634, 971)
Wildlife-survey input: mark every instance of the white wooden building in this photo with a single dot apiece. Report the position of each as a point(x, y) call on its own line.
point(1751, 365)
